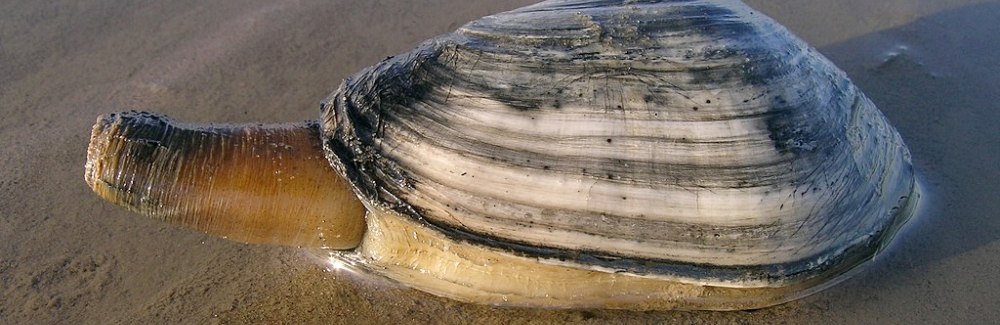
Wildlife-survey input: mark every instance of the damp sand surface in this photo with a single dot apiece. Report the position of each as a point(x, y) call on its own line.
point(67, 257)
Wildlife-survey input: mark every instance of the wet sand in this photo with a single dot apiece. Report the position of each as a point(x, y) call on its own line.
point(68, 257)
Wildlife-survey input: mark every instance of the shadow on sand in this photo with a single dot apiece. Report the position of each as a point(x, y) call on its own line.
point(937, 81)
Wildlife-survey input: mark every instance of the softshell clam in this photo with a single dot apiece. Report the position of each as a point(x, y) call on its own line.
point(619, 154)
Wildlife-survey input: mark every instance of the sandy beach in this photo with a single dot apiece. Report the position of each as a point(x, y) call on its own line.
point(68, 257)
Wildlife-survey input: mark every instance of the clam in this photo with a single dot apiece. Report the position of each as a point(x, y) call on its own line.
point(611, 154)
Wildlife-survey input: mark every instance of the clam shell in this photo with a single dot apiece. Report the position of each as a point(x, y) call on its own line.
point(695, 141)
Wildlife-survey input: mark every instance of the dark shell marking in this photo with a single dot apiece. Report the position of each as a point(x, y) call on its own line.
point(679, 139)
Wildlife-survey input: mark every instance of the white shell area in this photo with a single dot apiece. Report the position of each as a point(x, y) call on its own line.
point(410, 252)
point(694, 140)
